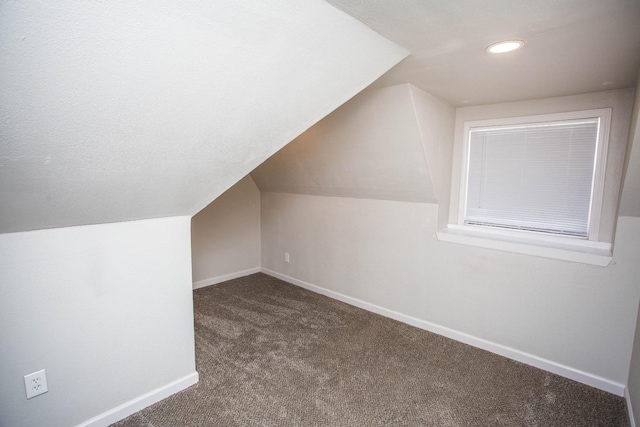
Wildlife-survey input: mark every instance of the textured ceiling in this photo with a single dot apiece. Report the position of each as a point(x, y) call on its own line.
point(572, 46)
point(121, 110)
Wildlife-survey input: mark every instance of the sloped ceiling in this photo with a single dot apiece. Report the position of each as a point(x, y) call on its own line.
point(371, 147)
point(121, 110)
point(571, 46)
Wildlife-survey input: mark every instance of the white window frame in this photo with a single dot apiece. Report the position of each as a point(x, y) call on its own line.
point(572, 248)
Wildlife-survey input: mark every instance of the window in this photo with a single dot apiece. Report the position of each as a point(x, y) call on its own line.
point(535, 182)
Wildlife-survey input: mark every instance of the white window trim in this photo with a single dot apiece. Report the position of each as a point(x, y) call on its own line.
point(589, 251)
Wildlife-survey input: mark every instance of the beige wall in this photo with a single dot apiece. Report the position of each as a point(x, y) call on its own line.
point(371, 147)
point(225, 236)
point(385, 253)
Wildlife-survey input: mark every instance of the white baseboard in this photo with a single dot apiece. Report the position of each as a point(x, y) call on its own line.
point(627, 397)
point(128, 408)
point(520, 356)
point(224, 278)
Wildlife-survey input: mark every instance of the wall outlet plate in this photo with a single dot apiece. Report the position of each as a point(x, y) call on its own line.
point(35, 384)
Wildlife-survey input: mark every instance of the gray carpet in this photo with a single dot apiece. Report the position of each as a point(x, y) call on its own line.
point(272, 354)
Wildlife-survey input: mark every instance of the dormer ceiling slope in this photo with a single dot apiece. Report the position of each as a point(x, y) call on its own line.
point(119, 110)
point(370, 147)
point(381, 144)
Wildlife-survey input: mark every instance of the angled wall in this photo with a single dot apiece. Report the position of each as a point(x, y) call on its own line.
point(371, 147)
point(435, 120)
point(115, 111)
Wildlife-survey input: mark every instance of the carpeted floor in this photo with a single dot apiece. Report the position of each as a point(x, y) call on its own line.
point(272, 354)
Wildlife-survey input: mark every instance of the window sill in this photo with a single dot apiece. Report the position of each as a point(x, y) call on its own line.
point(567, 249)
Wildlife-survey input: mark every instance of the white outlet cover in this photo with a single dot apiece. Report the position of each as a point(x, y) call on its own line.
point(35, 384)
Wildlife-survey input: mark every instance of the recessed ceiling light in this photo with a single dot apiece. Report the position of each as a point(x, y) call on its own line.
point(505, 46)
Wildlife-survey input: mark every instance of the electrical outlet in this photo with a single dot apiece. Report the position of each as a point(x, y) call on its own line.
point(286, 257)
point(35, 384)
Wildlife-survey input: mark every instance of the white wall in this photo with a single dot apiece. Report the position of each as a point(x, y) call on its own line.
point(385, 253)
point(225, 236)
point(107, 310)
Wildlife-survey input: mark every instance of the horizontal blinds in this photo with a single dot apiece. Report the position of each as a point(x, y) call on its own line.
point(535, 177)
